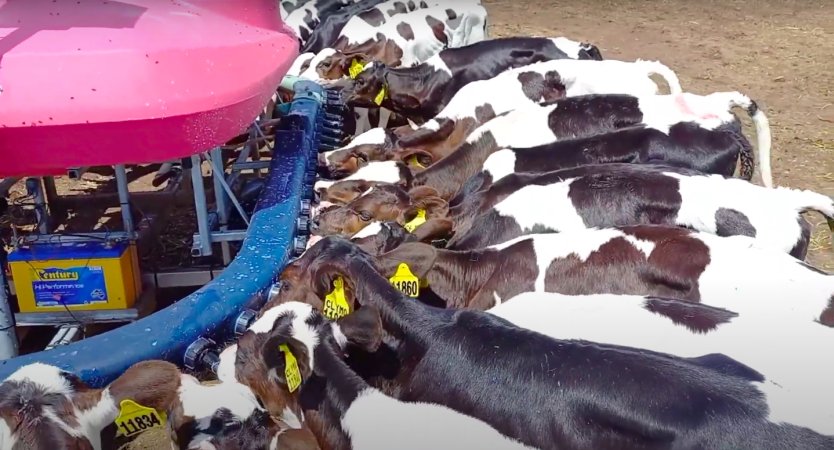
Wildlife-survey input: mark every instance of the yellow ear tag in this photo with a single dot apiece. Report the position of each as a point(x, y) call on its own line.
point(380, 97)
point(134, 419)
point(291, 372)
point(415, 162)
point(418, 220)
point(355, 68)
point(335, 303)
point(405, 281)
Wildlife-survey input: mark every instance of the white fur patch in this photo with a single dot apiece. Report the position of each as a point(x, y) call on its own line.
point(371, 229)
point(6, 437)
point(202, 401)
point(380, 171)
point(545, 205)
point(48, 377)
point(226, 368)
point(570, 47)
point(500, 164)
point(375, 421)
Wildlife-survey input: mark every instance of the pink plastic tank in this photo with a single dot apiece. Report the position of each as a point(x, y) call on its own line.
point(103, 82)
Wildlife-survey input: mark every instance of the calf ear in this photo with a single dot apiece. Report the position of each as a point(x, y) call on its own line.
point(435, 229)
point(274, 358)
point(151, 383)
point(416, 159)
point(434, 206)
point(363, 328)
point(420, 192)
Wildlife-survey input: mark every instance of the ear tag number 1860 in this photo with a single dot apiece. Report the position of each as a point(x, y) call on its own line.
point(335, 303)
point(134, 418)
point(405, 281)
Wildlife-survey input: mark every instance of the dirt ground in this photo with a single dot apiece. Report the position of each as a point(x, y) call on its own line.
point(779, 52)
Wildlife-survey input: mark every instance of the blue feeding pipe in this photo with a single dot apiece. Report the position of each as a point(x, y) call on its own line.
point(185, 332)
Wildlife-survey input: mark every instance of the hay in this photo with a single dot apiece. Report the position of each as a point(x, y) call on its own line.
point(154, 439)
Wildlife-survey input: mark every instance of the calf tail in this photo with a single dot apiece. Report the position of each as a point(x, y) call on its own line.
point(763, 136)
point(658, 68)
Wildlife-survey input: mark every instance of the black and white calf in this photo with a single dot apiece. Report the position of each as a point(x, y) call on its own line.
point(479, 101)
point(404, 39)
point(637, 260)
point(304, 16)
point(605, 195)
point(422, 91)
point(366, 417)
point(373, 12)
point(794, 375)
point(449, 358)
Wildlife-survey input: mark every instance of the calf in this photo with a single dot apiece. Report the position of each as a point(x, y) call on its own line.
point(792, 379)
point(477, 102)
point(548, 402)
point(365, 417)
point(422, 91)
point(637, 260)
point(605, 195)
point(405, 39)
point(304, 17)
point(371, 145)
point(372, 12)
point(573, 117)
point(44, 407)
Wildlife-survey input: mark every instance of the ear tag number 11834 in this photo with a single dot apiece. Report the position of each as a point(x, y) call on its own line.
point(134, 418)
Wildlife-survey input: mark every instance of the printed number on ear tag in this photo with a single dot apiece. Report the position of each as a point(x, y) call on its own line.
point(355, 69)
point(405, 281)
point(380, 97)
point(291, 372)
point(418, 220)
point(134, 419)
point(335, 303)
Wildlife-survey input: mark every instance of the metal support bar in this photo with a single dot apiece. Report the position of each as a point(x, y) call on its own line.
point(222, 181)
point(124, 198)
point(253, 165)
point(66, 334)
point(225, 236)
point(220, 197)
point(8, 335)
point(34, 188)
point(202, 247)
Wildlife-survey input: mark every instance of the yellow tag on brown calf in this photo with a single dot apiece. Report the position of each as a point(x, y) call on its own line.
point(135, 419)
point(380, 97)
point(335, 303)
point(418, 220)
point(355, 68)
point(405, 281)
point(291, 372)
point(415, 162)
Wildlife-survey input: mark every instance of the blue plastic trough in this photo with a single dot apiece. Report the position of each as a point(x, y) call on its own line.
point(188, 328)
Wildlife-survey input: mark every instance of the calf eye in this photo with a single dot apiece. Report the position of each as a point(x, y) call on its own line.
point(365, 216)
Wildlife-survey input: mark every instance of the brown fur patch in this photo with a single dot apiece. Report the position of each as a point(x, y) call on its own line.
point(439, 29)
point(374, 17)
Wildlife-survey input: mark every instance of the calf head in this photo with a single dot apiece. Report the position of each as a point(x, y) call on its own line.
point(589, 51)
point(258, 431)
point(344, 191)
point(382, 203)
point(368, 86)
point(299, 322)
point(374, 145)
point(338, 64)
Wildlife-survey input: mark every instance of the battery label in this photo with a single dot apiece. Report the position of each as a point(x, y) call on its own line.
point(70, 286)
